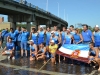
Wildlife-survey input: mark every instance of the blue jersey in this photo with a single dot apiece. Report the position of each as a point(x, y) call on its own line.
point(12, 35)
point(18, 35)
point(55, 39)
point(41, 37)
point(68, 39)
point(34, 38)
point(63, 36)
point(56, 33)
point(24, 36)
point(4, 32)
point(97, 36)
point(48, 35)
point(32, 48)
point(87, 36)
point(10, 46)
point(76, 38)
point(72, 33)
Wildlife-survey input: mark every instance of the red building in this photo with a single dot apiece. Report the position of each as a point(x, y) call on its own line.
point(1, 19)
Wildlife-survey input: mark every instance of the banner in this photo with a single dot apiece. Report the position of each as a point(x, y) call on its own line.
point(75, 51)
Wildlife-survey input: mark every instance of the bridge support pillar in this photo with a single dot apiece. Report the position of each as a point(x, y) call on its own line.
point(28, 26)
point(13, 25)
point(35, 24)
point(48, 23)
point(59, 26)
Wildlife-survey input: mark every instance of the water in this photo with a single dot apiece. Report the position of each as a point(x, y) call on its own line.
point(23, 66)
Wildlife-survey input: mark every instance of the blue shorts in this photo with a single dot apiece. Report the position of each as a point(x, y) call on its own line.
point(35, 43)
point(51, 56)
point(97, 44)
point(33, 55)
point(40, 41)
point(47, 43)
point(86, 42)
point(24, 45)
point(91, 58)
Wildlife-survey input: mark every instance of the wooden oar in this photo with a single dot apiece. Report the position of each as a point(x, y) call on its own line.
point(44, 65)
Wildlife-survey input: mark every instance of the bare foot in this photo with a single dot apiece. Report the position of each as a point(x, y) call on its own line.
point(59, 61)
point(71, 64)
point(44, 62)
point(37, 59)
point(99, 69)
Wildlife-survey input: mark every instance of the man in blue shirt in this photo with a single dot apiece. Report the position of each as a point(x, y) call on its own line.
point(4, 32)
point(87, 35)
point(24, 39)
point(18, 36)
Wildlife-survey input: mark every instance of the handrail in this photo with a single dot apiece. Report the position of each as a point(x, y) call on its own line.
point(36, 7)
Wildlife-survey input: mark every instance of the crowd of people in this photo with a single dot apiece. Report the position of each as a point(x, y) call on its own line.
point(44, 43)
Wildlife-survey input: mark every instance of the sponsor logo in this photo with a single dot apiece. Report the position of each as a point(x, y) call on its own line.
point(75, 54)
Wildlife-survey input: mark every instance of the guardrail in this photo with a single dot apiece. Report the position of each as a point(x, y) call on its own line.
point(37, 8)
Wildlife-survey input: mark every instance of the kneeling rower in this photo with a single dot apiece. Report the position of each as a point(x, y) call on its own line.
point(9, 49)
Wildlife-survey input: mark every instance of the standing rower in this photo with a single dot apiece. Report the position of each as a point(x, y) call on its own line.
point(34, 36)
point(96, 35)
point(72, 31)
point(68, 37)
point(18, 37)
point(63, 34)
point(48, 35)
point(77, 37)
point(56, 31)
point(41, 34)
point(24, 39)
point(87, 35)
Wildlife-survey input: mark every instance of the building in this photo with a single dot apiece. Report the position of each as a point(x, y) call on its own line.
point(1, 19)
point(4, 25)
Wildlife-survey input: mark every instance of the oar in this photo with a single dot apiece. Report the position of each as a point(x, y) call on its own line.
point(44, 65)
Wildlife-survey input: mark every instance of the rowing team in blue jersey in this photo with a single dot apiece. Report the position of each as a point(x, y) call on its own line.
point(20, 37)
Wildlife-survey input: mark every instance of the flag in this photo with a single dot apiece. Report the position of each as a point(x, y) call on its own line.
point(75, 51)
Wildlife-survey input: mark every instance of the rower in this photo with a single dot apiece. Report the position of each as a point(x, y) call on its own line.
point(96, 35)
point(24, 39)
point(87, 35)
point(93, 52)
point(77, 37)
point(9, 49)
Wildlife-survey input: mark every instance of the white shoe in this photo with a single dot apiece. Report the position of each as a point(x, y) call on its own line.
point(8, 57)
point(13, 58)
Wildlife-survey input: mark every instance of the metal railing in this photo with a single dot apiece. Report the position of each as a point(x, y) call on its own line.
point(24, 2)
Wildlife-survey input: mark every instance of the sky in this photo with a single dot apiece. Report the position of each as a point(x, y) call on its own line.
point(76, 11)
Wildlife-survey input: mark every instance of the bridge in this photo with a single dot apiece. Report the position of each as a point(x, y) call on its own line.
point(26, 12)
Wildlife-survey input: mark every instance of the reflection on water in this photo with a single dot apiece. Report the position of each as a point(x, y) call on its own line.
point(63, 67)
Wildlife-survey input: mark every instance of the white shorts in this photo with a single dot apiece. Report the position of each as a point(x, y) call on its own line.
point(7, 52)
